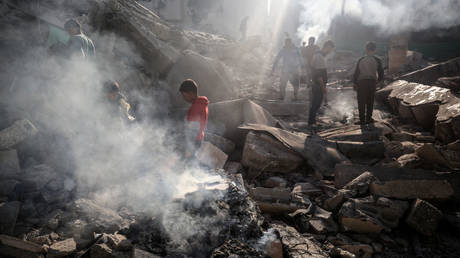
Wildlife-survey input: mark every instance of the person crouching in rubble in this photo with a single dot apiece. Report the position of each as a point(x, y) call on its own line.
point(368, 72)
point(319, 80)
point(78, 44)
point(117, 103)
point(197, 117)
point(291, 71)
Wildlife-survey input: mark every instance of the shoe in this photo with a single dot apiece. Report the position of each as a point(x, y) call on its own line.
point(359, 123)
point(371, 121)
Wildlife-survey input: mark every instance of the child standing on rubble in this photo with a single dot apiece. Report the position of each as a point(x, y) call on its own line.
point(197, 116)
point(369, 72)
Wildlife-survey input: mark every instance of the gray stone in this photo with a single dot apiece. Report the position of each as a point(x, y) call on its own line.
point(99, 218)
point(211, 156)
point(16, 133)
point(424, 217)
point(360, 185)
point(9, 212)
point(62, 248)
point(220, 142)
point(265, 153)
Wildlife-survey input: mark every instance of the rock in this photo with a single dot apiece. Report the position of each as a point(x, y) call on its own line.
point(374, 149)
point(274, 200)
point(344, 173)
point(275, 181)
point(319, 226)
point(452, 83)
point(62, 248)
point(138, 253)
point(233, 167)
point(371, 215)
point(42, 240)
point(9, 165)
point(360, 185)
point(9, 212)
point(339, 252)
point(119, 242)
point(14, 247)
point(430, 74)
point(360, 250)
point(410, 161)
point(402, 136)
point(334, 202)
point(16, 133)
point(352, 133)
point(424, 217)
point(275, 249)
point(220, 142)
point(265, 153)
point(101, 251)
point(212, 77)
point(235, 248)
point(7, 186)
point(307, 189)
point(378, 248)
point(211, 156)
point(35, 178)
point(100, 219)
point(295, 245)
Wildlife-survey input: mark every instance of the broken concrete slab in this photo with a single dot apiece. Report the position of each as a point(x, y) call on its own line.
point(345, 173)
point(295, 245)
point(374, 149)
point(360, 185)
point(265, 153)
point(360, 250)
point(275, 181)
point(220, 142)
point(100, 219)
point(139, 253)
point(271, 194)
point(208, 154)
point(452, 83)
point(7, 186)
point(9, 212)
point(278, 108)
point(307, 189)
point(424, 217)
point(14, 247)
point(320, 154)
point(233, 167)
point(354, 133)
point(62, 248)
point(9, 165)
point(16, 133)
point(430, 74)
point(371, 215)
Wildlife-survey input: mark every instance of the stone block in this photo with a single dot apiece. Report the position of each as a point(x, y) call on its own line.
point(424, 217)
point(211, 156)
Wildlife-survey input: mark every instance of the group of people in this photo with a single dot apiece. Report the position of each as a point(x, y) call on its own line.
point(310, 60)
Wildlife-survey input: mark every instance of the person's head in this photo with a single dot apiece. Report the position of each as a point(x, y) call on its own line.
point(111, 89)
point(311, 41)
point(189, 90)
point(288, 42)
point(73, 27)
point(328, 47)
point(371, 48)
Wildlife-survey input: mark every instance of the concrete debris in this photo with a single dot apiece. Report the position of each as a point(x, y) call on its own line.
point(62, 248)
point(16, 133)
point(220, 142)
point(295, 245)
point(211, 156)
point(265, 153)
point(233, 167)
point(275, 181)
point(139, 253)
point(371, 215)
point(307, 189)
point(373, 149)
point(14, 247)
point(360, 185)
point(424, 217)
point(100, 219)
point(430, 74)
point(452, 83)
point(360, 250)
point(235, 248)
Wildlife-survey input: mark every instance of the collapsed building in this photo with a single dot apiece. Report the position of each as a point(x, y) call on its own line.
point(266, 186)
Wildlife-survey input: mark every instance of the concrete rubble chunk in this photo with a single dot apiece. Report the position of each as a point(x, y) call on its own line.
point(211, 156)
point(9, 212)
point(265, 153)
point(16, 133)
point(62, 248)
point(275, 200)
point(9, 165)
point(220, 142)
point(275, 249)
point(371, 215)
point(295, 245)
point(431, 73)
point(307, 189)
point(374, 149)
point(99, 218)
point(424, 217)
point(14, 247)
point(275, 181)
point(360, 250)
point(334, 202)
point(7, 186)
point(360, 185)
point(139, 253)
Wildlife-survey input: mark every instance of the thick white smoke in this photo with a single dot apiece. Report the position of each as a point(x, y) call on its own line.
point(390, 17)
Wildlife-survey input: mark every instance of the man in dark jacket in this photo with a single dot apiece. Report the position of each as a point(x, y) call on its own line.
point(369, 71)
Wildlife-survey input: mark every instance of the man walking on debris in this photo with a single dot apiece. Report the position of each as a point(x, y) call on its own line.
point(368, 72)
point(319, 79)
point(291, 70)
point(197, 117)
point(117, 103)
point(79, 43)
point(307, 54)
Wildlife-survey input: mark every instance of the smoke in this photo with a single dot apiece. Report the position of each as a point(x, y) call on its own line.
point(389, 17)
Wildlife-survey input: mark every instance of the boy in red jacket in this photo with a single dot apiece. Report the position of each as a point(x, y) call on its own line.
point(197, 116)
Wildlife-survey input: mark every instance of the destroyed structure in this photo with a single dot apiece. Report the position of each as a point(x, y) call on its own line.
point(73, 186)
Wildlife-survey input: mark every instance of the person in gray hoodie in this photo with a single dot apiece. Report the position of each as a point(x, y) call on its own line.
point(368, 72)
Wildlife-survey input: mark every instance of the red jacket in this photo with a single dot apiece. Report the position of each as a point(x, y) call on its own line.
point(198, 112)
